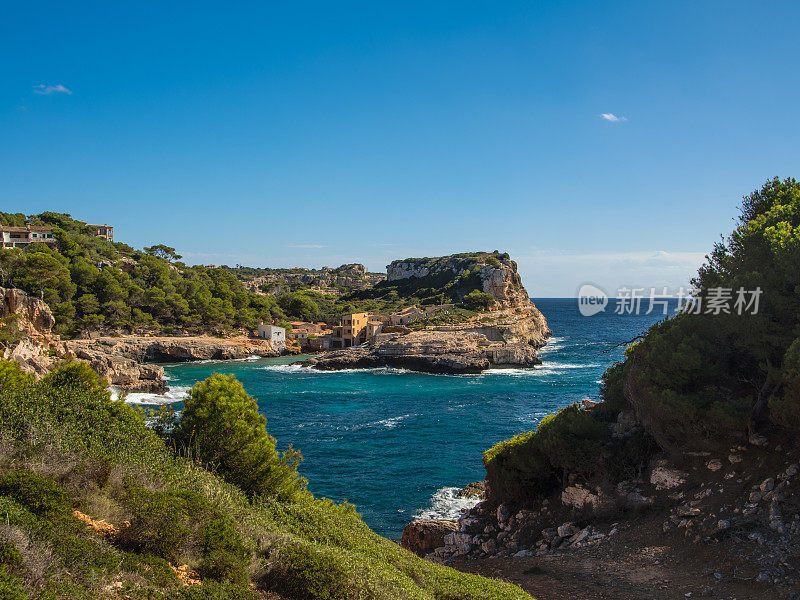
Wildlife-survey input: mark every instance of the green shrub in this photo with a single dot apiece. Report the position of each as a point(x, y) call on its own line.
point(479, 299)
point(12, 376)
point(571, 441)
point(225, 556)
point(223, 429)
point(313, 573)
point(11, 586)
point(40, 494)
point(164, 524)
point(493, 262)
point(212, 590)
point(9, 555)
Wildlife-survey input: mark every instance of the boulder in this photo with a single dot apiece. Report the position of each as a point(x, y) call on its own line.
point(423, 536)
point(665, 477)
point(578, 497)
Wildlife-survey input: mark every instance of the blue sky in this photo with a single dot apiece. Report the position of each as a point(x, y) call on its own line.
point(284, 134)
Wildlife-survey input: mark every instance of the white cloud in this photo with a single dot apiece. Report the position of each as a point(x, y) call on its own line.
point(306, 246)
point(612, 117)
point(46, 90)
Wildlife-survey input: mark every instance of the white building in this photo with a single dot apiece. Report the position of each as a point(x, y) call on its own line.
point(17, 237)
point(276, 335)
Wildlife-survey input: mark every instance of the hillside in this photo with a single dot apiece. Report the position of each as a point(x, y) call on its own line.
point(94, 285)
point(337, 282)
point(96, 506)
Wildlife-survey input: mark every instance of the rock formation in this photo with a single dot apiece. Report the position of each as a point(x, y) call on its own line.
point(423, 536)
point(29, 316)
point(508, 336)
point(326, 280)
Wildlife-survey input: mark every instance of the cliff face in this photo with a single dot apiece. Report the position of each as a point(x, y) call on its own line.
point(30, 316)
point(458, 274)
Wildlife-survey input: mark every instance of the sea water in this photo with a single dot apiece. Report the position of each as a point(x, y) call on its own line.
point(399, 444)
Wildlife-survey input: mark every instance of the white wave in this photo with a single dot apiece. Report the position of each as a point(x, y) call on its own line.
point(296, 368)
point(445, 504)
point(394, 421)
point(177, 393)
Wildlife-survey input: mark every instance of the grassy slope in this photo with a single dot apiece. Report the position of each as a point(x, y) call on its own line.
point(95, 448)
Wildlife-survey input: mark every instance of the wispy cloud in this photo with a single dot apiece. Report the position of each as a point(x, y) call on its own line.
point(306, 246)
point(46, 90)
point(612, 117)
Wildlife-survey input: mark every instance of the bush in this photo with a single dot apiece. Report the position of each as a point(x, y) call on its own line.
point(211, 590)
point(533, 464)
point(12, 376)
point(223, 429)
point(785, 409)
point(9, 555)
point(479, 299)
point(493, 262)
point(312, 573)
point(10, 586)
point(164, 524)
point(42, 495)
point(225, 556)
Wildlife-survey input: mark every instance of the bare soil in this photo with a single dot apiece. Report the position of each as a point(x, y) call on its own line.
point(667, 566)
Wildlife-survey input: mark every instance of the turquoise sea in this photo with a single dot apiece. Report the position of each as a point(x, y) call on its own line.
point(399, 444)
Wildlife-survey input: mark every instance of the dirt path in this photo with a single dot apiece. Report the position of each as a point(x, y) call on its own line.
point(623, 569)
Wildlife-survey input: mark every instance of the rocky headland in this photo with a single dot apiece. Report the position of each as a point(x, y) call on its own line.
point(507, 335)
point(123, 361)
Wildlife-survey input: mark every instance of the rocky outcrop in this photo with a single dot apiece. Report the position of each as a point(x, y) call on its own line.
point(496, 275)
point(476, 489)
point(507, 338)
point(29, 316)
point(171, 349)
point(328, 280)
point(425, 535)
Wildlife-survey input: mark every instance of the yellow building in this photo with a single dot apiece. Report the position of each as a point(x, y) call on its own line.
point(356, 329)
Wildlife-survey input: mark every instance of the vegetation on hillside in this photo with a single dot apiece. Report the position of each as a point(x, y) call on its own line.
point(66, 446)
point(697, 381)
point(452, 279)
point(93, 284)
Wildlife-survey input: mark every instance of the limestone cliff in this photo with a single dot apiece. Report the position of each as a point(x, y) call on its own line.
point(506, 336)
point(451, 278)
point(26, 315)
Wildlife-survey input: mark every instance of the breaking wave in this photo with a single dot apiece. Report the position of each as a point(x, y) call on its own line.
point(445, 504)
point(177, 393)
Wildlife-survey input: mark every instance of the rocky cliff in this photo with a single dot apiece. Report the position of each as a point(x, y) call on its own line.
point(506, 336)
point(26, 315)
point(119, 360)
point(449, 279)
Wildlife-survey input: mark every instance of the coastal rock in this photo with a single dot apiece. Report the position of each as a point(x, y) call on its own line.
point(174, 349)
point(473, 490)
point(33, 318)
point(511, 341)
point(499, 279)
point(425, 535)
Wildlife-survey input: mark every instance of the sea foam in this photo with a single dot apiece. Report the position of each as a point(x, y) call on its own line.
point(445, 504)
